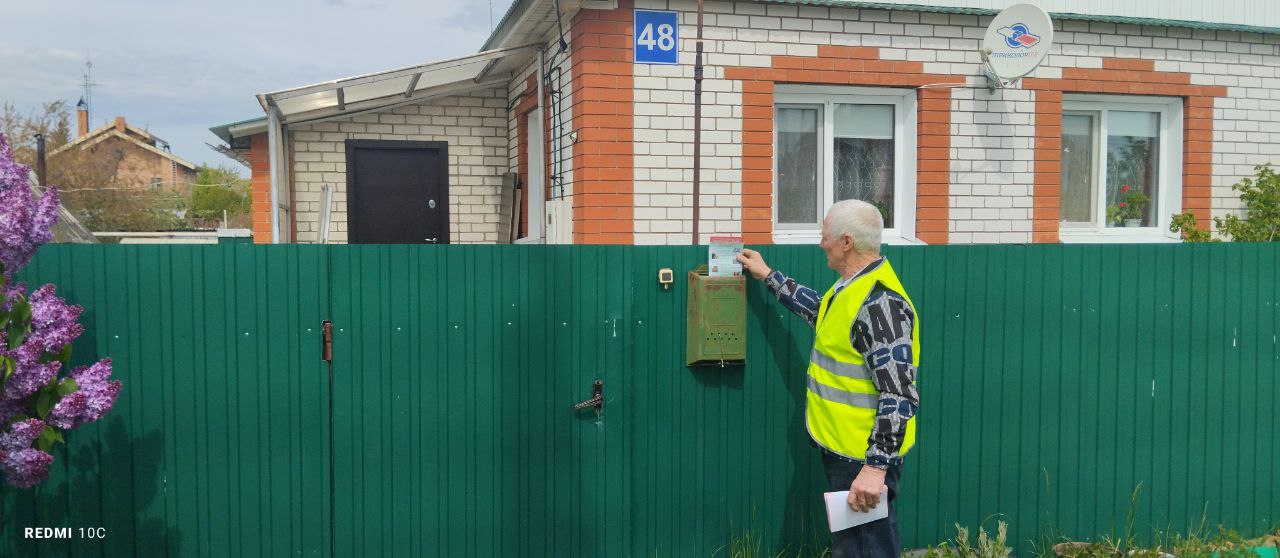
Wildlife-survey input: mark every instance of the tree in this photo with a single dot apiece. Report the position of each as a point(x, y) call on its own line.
point(1261, 222)
point(52, 120)
point(220, 189)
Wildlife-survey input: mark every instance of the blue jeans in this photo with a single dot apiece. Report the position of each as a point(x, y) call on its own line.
point(878, 539)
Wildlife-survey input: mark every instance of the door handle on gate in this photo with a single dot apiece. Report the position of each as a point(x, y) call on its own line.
point(597, 398)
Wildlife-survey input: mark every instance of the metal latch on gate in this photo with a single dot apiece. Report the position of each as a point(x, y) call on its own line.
point(597, 399)
point(326, 341)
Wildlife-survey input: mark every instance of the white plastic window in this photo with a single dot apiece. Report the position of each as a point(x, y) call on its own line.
point(838, 143)
point(1121, 168)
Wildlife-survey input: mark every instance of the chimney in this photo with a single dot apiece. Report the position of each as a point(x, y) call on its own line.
point(120, 124)
point(82, 118)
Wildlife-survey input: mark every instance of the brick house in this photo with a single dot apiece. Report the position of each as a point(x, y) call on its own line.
point(122, 155)
point(804, 103)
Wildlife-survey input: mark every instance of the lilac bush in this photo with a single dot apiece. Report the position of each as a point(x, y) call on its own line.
point(38, 401)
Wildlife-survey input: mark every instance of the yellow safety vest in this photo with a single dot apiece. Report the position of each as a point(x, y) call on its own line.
point(841, 402)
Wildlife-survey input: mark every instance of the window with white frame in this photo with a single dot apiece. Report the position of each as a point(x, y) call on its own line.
point(839, 143)
point(1121, 167)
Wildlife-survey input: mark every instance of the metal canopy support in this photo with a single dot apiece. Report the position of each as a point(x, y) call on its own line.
point(342, 99)
point(485, 71)
point(273, 148)
point(413, 84)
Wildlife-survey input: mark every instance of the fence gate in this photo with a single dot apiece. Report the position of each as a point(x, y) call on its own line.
point(455, 371)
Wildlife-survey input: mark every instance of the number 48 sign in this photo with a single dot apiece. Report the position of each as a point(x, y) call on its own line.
point(657, 37)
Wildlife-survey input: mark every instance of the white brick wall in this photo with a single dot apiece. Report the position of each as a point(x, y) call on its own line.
point(474, 125)
point(992, 158)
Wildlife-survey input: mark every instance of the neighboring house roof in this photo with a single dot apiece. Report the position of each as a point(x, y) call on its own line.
point(132, 134)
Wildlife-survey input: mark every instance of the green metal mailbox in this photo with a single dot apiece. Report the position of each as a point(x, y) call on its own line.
point(716, 330)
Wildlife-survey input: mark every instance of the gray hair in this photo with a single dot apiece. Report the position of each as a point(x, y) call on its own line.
point(858, 219)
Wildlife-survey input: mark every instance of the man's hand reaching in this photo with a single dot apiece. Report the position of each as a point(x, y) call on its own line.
point(754, 264)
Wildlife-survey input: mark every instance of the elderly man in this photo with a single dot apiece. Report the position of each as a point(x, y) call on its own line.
point(861, 403)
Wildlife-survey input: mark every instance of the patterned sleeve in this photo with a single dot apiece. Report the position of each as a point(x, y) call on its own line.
point(801, 300)
point(882, 332)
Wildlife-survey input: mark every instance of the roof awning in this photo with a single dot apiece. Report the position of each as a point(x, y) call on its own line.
point(241, 129)
point(396, 87)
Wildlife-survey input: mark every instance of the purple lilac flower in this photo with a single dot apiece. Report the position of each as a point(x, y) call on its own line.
point(10, 409)
point(21, 434)
point(95, 395)
point(22, 465)
point(66, 414)
point(24, 222)
point(10, 171)
point(28, 378)
point(26, 468)
point(53, 322)
point(9, 294)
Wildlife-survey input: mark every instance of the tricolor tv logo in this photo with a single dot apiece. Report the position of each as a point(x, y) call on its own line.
point(1018, 36)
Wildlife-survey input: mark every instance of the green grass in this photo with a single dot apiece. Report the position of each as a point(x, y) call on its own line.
point(1200, 540)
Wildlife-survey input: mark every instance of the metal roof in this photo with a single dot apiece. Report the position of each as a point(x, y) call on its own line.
point(522, 11)
point(1126, 20)
point(389, 88)
point(528, 21)
point(247, 127)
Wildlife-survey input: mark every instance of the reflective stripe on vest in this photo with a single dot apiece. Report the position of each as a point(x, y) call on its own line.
point(842, 400)
point(864, 400)
point(830, 364)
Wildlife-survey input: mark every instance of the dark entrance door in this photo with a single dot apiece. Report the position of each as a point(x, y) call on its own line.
point(398, 192)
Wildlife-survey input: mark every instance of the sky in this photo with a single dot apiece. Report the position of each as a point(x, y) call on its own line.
point(178, 67)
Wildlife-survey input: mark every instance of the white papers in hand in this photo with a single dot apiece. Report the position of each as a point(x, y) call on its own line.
point(840, 516)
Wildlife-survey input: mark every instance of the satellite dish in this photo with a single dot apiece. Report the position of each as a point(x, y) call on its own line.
point(1016, 42)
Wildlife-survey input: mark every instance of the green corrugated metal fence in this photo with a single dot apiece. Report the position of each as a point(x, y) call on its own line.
point(1054, 380)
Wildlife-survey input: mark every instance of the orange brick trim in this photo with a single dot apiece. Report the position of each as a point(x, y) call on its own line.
point(260, 176)
point(603, 157)
point(933, 165)
point(1123, 76)
point(841, 65)
point(1046, 198)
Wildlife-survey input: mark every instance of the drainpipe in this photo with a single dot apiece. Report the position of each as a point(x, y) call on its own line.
point(697, 124)
point(273, 157)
